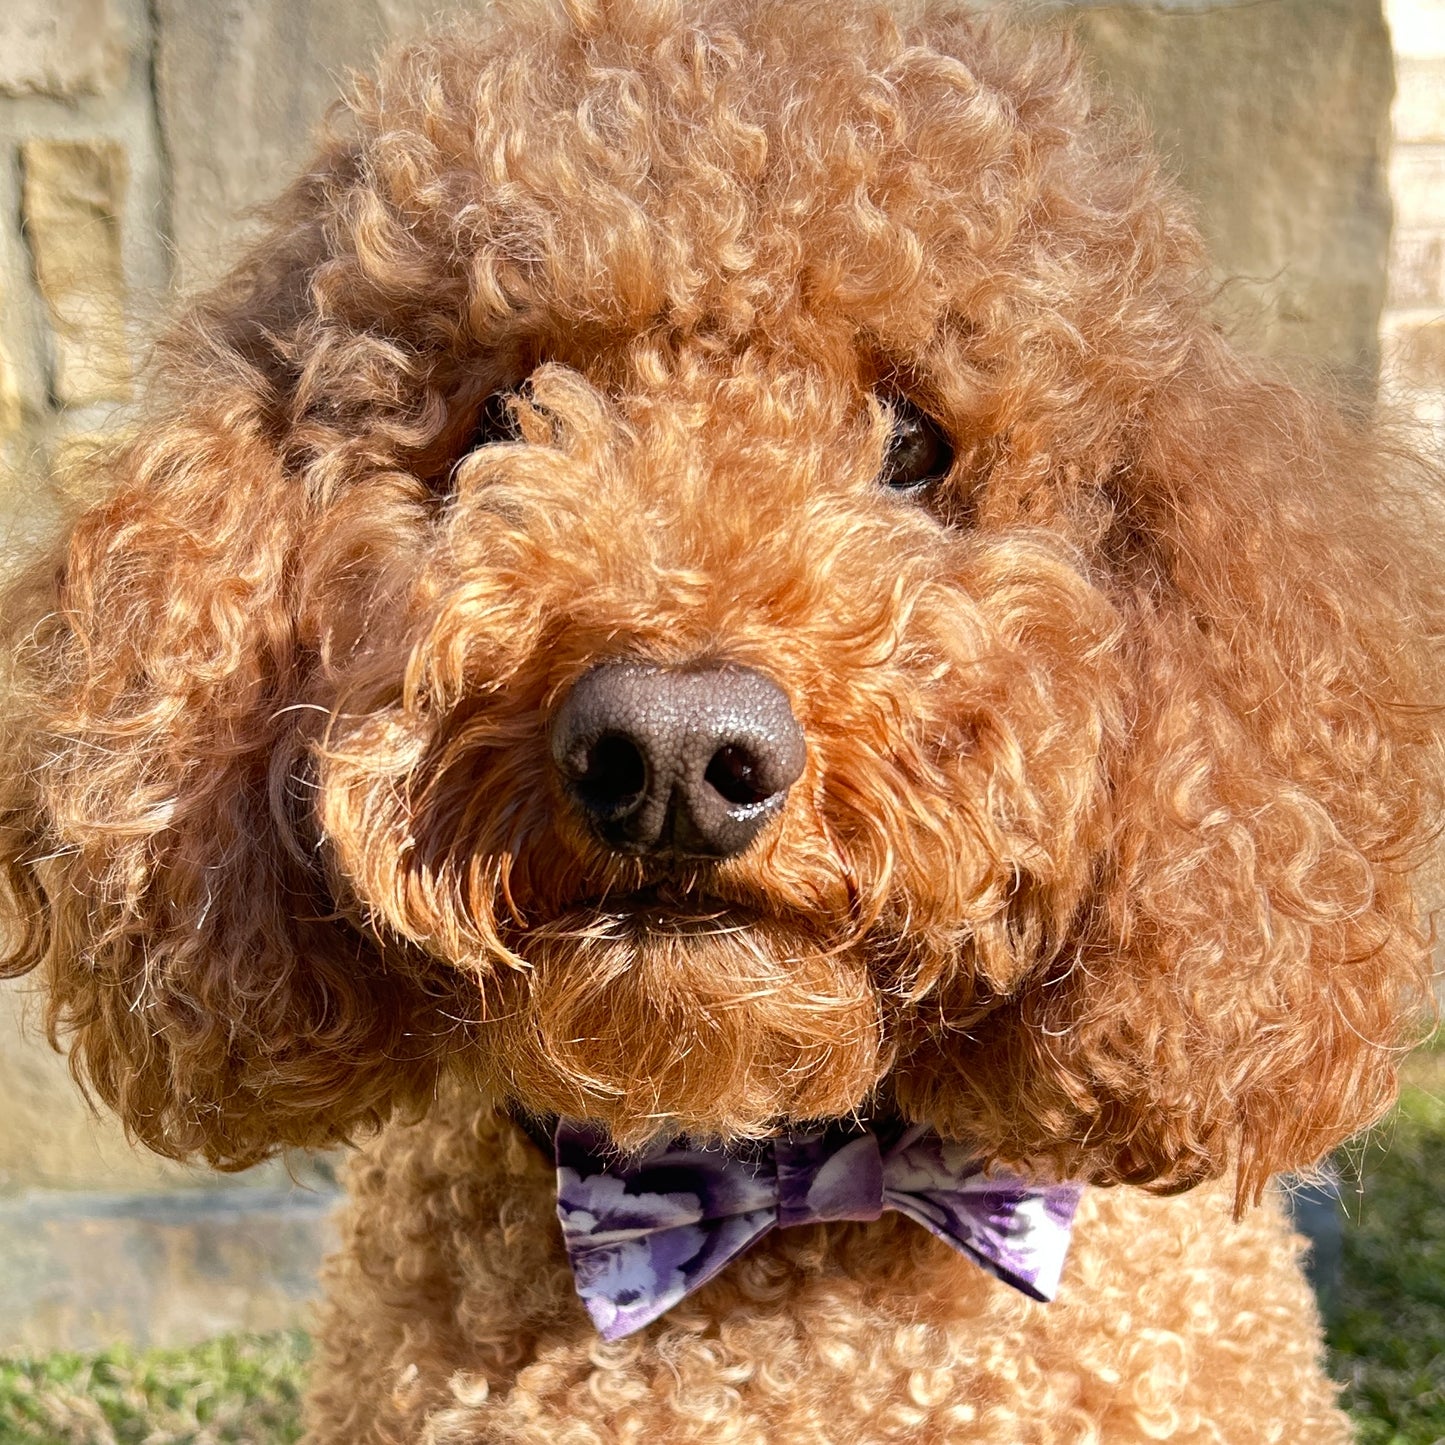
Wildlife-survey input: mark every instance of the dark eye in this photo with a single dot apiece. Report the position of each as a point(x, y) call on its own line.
point(496, 422)
point(918, 451)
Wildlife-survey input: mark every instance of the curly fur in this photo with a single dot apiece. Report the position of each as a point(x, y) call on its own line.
point(1123, 740)
point(453, 1320)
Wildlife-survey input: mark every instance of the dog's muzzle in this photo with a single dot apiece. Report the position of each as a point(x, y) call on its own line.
point(677, 763)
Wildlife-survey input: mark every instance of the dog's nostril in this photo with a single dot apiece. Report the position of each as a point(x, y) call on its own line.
point(615, 774)
point(735, 774)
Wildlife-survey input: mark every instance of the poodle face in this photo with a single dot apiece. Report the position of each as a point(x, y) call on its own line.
point(711, 570)
point(724, 533)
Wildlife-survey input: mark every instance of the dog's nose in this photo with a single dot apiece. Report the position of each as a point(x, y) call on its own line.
point(677, 763)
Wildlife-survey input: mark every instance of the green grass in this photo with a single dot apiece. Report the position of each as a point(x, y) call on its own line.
point(1387, 1338)
point(232, 1391)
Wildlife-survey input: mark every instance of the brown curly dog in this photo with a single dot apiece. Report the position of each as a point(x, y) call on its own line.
point(712, 573)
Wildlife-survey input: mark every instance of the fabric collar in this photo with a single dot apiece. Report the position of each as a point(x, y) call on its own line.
point(644, 1230)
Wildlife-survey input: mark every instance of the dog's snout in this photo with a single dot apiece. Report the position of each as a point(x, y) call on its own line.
point(678, 763)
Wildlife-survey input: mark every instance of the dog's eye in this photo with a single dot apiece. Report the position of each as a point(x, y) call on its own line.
point(496, 422)
point(918, 451)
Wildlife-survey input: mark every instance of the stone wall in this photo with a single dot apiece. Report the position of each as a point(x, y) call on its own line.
point(81, 188)
point(1276, 116)
point(1414, 322)
point(133, 136)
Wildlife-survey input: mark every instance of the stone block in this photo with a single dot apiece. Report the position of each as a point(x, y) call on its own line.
point(1417, 181)
point(1276, 119)
point(241, 86)
point(60, 47)
point(21, 388)
point(11, 412)
point(82, 1271)
point(1417, 27)
point(1417, 268)
point(1419, 100)
point(24, 385)
point(72, 201)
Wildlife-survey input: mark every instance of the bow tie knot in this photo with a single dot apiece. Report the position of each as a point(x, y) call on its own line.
point(819, 1185)
point(643, 1231)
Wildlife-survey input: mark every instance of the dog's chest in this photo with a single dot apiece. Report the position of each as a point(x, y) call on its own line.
point(453, 1272)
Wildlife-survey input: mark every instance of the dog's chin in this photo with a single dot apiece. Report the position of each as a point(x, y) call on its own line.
point(650, 1013)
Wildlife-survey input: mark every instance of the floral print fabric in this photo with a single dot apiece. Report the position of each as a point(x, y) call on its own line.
point(643, 1231)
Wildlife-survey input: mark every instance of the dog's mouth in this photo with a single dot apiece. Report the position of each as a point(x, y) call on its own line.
point(669, 908)
point(637, 922)
point(663, 1005)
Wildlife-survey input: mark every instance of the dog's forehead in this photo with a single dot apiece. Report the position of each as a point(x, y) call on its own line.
point(761, 166)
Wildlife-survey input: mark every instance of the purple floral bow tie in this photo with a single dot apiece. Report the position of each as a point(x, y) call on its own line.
point(645, 1230)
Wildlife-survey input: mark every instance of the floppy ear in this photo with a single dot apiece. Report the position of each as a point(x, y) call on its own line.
point(153, 810)
point(1252, 962)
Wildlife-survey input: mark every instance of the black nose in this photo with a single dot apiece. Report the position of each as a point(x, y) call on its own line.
point(684, 764)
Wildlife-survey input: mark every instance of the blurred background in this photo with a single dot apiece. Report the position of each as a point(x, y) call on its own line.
point(134, 135)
